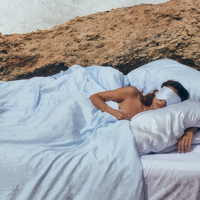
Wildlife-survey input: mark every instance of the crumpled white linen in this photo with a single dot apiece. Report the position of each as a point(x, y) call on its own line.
point(55, 145)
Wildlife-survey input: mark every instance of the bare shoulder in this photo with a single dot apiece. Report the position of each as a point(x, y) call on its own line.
point(132, 91)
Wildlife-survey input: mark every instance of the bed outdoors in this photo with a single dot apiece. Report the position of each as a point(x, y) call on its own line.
point(55, 145)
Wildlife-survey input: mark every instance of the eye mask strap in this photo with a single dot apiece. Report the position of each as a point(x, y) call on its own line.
point(168, 95)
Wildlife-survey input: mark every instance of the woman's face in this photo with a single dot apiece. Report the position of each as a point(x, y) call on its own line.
point(161, 103)
point(156, 103)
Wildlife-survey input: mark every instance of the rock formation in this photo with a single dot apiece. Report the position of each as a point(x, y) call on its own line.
point(123, 38)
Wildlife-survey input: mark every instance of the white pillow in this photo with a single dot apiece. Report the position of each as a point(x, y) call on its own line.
point(195, 141)
point(152, 75)
point(156, 130)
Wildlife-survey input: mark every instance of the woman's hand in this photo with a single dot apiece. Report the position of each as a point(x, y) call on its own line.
point(120, 115)
point(184, 143)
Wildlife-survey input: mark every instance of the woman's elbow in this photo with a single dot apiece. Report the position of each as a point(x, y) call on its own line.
point(92, 97)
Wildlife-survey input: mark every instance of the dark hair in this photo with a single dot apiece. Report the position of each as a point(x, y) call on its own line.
point(148, 98)
point(182, 92)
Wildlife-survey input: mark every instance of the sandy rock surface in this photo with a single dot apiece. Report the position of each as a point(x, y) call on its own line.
point(123, 38)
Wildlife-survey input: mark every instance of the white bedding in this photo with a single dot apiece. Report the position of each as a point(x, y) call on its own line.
point(159, 130)
point(56, 145)
point(172, 176)
point(46, 154)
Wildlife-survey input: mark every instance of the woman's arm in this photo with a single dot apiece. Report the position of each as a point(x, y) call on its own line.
point(117, 95)
point(185, 141)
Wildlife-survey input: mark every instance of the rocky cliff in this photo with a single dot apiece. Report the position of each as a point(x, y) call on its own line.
point(124, 38)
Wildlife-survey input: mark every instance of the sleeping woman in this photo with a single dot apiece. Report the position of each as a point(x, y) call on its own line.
point(131, 102)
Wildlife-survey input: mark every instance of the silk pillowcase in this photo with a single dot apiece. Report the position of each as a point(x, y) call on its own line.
point(158, 130)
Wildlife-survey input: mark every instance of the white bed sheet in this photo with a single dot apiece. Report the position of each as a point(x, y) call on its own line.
point(172, 176)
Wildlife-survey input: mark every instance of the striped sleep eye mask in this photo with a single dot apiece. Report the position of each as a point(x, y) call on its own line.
point(168, 95)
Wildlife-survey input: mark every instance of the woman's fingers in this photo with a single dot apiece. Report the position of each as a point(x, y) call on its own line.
point(190, 141)
point(189, 145)
point(126, 116)
point(184, 144)
point(179, 145)
point(121, 115)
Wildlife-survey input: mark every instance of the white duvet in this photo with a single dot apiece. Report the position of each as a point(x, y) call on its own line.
point(55, 145)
